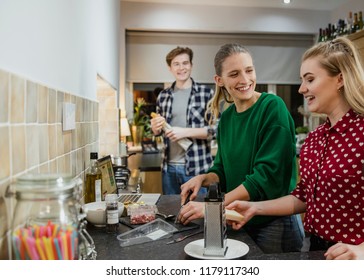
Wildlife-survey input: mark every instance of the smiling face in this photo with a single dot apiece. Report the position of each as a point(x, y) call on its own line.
point(181, 67)
point(320, 90)
point(239, 79)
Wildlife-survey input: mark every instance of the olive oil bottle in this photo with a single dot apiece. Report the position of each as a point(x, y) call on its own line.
point(93, 182)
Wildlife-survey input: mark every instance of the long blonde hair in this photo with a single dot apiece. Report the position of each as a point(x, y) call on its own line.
point(222, 97)
point(341, 56)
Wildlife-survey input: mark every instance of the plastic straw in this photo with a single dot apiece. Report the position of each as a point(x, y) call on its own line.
point(40, 249)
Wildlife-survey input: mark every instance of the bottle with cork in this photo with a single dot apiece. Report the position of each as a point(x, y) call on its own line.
point(93, 182)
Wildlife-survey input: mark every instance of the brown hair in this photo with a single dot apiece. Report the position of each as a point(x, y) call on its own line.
point(216, 104)
point(177, 51)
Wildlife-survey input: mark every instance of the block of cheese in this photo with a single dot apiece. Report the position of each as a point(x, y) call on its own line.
point(232, 215)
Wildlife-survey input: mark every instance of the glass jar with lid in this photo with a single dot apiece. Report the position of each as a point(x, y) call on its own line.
point(45, 222)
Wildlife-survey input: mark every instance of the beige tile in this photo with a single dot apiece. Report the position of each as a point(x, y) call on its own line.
point(61, 163)
point(44, 168)
point(80, 161)
point(60, 100)
point(52, 106)
point(43, 143)
point(17, 97)
point(32, 146)
point(67, 97)
point(4, 96)
point(31, 102)
point(18, 149)
point(52, 140)
point(53, 166)
point(86, 111)
point(4, 152)
point(67, 138)
point(67, 163)
point(73, 156)
point(79, 109)
point(95, 108)
point(42, 104)
point(60, 144)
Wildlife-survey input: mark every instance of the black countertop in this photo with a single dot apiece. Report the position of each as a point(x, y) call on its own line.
point(108, 248)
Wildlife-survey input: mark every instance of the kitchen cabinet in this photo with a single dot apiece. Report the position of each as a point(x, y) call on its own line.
point(358, 40)
point(148, 167)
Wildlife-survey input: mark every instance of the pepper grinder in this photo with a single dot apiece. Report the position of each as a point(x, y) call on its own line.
point(215, 235)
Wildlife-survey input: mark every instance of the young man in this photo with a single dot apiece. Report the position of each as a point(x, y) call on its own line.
point(183, 107)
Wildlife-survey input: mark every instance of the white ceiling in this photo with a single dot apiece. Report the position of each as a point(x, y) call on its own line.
point(324, 5)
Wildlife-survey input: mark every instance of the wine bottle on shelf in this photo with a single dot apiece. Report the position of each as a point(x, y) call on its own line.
point(93, 182)
point(355, 27)
point(350, 26)
point(320, 38)
point(360, 20)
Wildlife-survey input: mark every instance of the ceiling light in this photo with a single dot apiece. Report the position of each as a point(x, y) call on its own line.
point(286, 1)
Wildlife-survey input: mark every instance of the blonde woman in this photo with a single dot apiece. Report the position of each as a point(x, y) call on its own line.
point(331, 190)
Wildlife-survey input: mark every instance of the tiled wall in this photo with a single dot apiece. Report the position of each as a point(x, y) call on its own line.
point(32, 139)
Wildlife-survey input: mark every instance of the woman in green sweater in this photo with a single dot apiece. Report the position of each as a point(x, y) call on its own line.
point(256, 157)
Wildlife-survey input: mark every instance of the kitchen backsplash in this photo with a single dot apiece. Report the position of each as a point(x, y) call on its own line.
point(32, 139)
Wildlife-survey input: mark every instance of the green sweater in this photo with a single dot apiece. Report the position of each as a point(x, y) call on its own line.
point(256, 148)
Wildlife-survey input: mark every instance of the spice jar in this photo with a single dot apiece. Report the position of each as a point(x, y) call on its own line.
point(112, 213)
point(45, 222)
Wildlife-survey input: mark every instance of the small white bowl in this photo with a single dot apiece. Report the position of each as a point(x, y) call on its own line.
point(96, 212)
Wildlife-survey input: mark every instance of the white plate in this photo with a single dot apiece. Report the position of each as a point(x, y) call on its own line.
point(236, 249)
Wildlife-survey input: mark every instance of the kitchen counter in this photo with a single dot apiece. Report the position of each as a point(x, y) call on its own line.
point(108, 248)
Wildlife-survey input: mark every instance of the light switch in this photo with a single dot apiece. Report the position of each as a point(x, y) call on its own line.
point(69, 116)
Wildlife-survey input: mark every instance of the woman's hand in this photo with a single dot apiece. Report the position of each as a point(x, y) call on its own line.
point(193, 185)
point(245, 208)
point(343, 251)
point(191, 211)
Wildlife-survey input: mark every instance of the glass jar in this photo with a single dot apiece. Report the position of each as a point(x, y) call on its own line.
point(45, 222)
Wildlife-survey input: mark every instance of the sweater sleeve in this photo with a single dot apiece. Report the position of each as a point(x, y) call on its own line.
point(274, 171)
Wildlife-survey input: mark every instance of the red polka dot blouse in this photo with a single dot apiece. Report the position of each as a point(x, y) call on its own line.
point(332, 180)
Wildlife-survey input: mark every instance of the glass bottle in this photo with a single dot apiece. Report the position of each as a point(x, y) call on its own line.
point(360, 21)
point(93, 182)
point(112, 213)
point(350, 26)
point(45, 225)
point(355, 24)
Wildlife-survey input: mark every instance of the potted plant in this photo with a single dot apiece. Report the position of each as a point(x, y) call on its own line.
point(140, 120)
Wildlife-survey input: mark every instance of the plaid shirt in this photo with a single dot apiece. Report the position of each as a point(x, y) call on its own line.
point(198, 157)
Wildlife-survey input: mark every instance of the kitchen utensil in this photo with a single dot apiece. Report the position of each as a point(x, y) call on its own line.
point(236, 249)
point(165, 216)
point(176, 221)
point(179, 239)
point(215, 223)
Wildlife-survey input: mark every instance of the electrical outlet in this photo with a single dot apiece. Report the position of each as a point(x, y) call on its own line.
point(69, 116)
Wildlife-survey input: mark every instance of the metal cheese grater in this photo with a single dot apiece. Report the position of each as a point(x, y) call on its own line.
point(215, 238)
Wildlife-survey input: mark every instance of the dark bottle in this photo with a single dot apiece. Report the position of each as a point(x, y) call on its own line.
point(112, 213)
point(360, 20)
point(320, 37)
point(93, 182)
point(355, 27)
point(334, 32)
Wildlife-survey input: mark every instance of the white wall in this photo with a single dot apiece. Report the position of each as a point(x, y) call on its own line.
point(63, 44)
point(343, 11)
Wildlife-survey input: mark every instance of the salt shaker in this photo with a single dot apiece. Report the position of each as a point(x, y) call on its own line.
point(112, 213)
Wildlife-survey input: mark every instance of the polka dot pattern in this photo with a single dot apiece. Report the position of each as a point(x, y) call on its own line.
point(332, 180)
